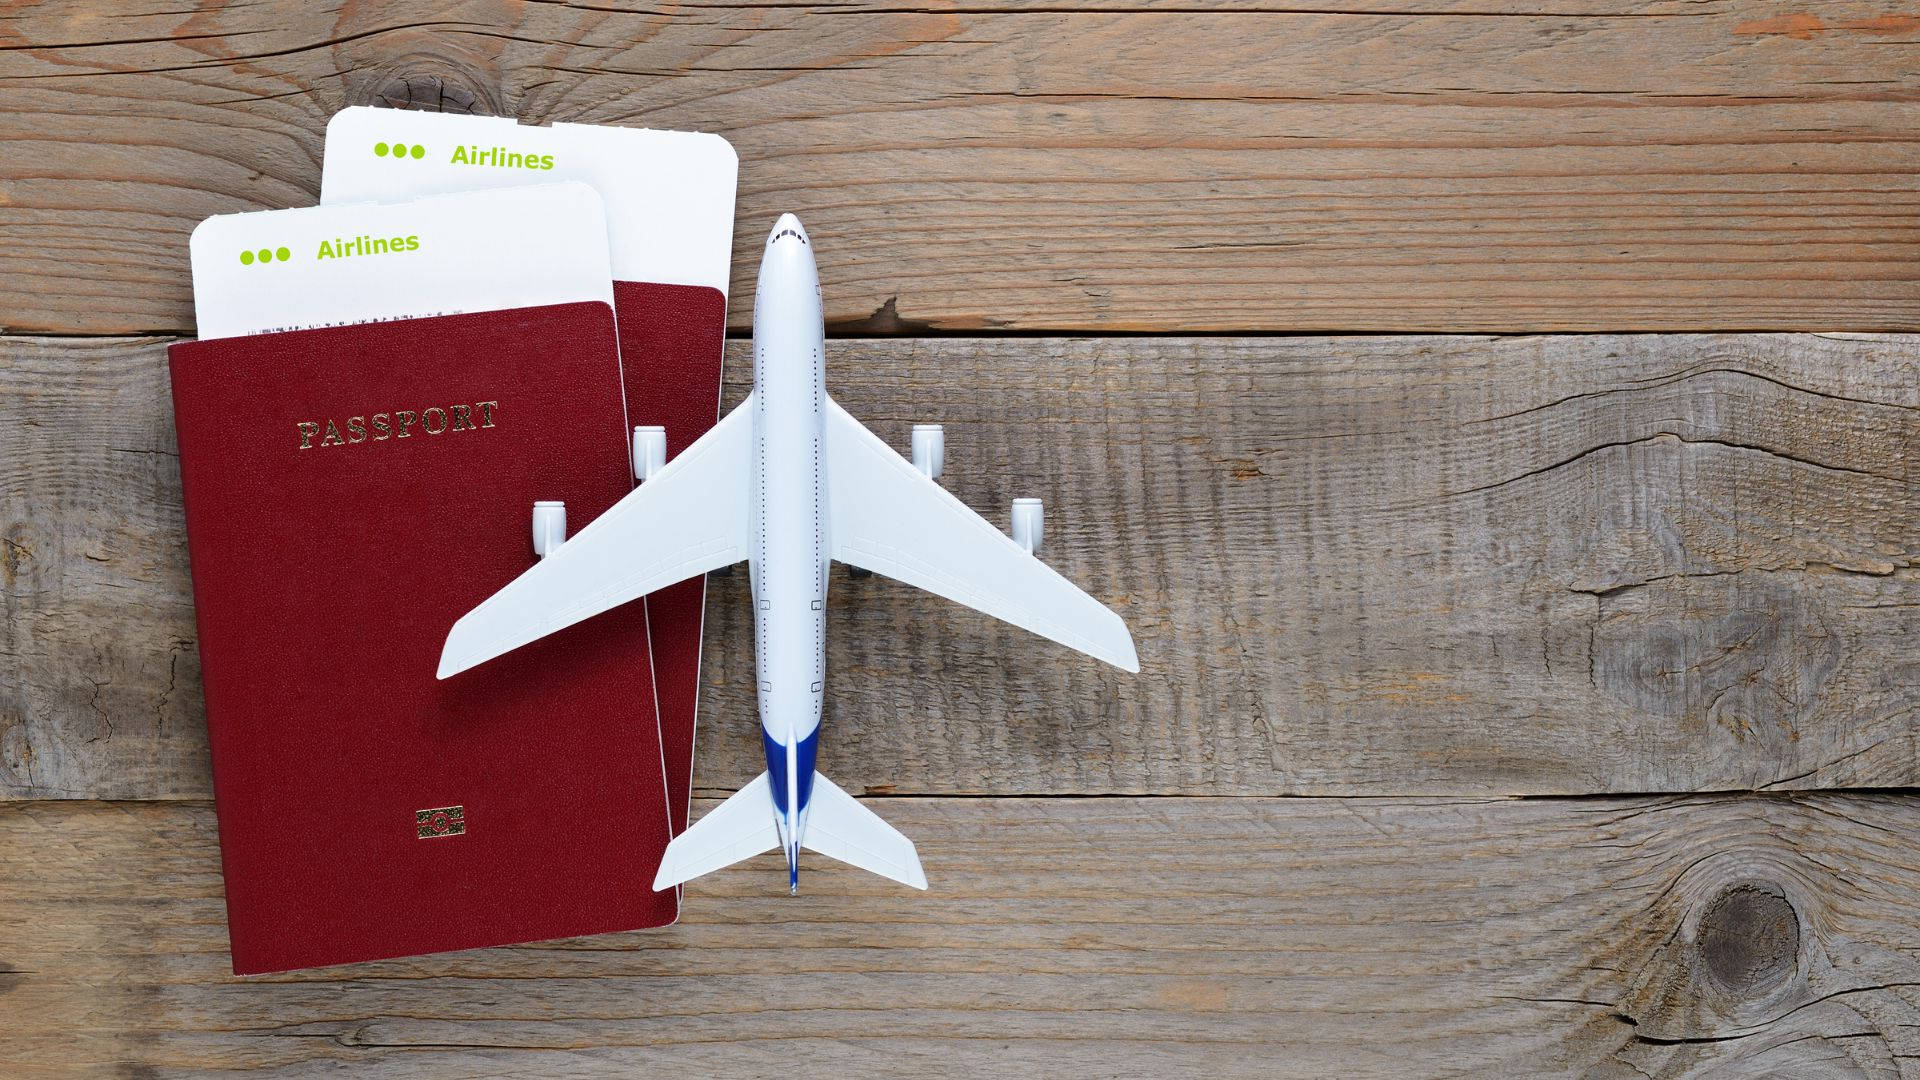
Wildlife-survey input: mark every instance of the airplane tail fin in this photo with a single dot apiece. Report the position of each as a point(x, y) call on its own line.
point(836, 825)
point(840, 828)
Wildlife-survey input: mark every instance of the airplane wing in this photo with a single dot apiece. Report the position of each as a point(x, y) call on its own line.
point(888, 518)
point(691, 517)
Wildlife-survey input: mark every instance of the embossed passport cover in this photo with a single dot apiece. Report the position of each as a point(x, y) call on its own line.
point(350, 492)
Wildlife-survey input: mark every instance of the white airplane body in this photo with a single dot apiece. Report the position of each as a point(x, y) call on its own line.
point(789, 481)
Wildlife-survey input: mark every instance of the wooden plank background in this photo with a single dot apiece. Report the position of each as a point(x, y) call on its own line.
point(1502, 688)
point(1439, 565)
point(1403, 165)
point(1756, 935)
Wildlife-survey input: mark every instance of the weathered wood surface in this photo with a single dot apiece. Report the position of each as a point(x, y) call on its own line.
point(1407, 165)
point(1397, 568)
point(1747, 936)
point(1353, 566)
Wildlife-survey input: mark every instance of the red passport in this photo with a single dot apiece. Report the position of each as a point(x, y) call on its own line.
point(350, 492)
point(671, 337)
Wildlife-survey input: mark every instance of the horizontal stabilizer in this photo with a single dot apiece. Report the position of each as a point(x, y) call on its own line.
point(737, 829)
point(840, 828)
point(837, 826)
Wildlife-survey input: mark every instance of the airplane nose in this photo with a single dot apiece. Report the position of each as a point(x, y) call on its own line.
point(788, 225)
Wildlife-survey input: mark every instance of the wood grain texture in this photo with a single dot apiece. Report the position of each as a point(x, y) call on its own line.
point(1742, 936)
point(1353, 566)
point(1447, 166)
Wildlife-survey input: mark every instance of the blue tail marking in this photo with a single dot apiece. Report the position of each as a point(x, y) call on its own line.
point(790, 817)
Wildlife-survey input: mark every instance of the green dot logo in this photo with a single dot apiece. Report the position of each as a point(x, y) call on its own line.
point(282, 254)
point(400, 151)
point(246, 258)
point(266, 255)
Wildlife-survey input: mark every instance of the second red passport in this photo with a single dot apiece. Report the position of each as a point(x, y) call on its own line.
point(350, 492)
point(671, 338)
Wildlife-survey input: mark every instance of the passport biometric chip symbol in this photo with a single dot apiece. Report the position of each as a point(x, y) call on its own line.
point(440, 821)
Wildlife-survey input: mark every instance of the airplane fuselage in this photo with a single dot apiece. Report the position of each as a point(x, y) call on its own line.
point(789, 553)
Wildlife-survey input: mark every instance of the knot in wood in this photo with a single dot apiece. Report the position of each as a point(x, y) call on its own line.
point(1749, 938)
point(431, 92)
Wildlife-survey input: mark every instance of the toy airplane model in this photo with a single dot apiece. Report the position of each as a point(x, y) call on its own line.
point(788, 481)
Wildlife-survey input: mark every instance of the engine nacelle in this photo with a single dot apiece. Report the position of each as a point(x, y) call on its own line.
point(1029, 524)
point(929, 449)
point(549, 527)
point(649, 451)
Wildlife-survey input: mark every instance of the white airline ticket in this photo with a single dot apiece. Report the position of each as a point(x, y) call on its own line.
point(669, 194)
point(274, 270)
